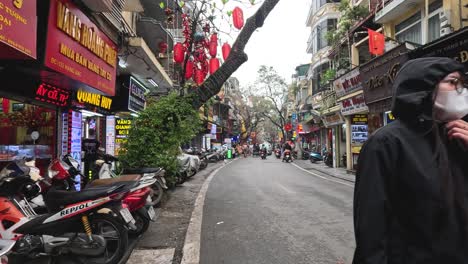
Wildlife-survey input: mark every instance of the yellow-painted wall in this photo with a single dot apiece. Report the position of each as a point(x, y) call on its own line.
point(452, 5)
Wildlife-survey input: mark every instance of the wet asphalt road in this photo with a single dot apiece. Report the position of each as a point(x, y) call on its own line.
point(269, 212)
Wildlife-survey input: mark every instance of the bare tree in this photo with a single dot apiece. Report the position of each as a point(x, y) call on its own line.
point(271, 94)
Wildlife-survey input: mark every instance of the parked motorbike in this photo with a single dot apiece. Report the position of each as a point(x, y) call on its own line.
point(344, 160)
point(305, 154)
point(105, 166)
point(74, 225)
point(328, 159)
point(138, 202)
point(315, 157)
point(263, 154)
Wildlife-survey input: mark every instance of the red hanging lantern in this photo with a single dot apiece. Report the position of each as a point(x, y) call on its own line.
point(226, 50)
point(189, 70)
point(214, 65)
point(162, 47)
point(214, 38)
point(179, 52)
point(213, 48)
point(199, 76)
point(6, 105)
point(238, 17)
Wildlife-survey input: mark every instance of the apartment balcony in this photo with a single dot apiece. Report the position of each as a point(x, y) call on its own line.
point(310, 44)
point(329, 7)
point(393, 9)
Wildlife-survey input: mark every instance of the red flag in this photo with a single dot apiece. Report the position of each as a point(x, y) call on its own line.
point(376, 42)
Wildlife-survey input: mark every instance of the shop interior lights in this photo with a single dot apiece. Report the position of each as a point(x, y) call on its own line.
point(87, 113)
point(152, 82)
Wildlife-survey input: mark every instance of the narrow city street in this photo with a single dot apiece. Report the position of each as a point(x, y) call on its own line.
point(266, 211)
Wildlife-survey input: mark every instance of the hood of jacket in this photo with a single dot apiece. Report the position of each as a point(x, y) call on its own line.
point(415, 83)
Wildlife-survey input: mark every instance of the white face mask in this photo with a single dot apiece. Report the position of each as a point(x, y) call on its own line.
point(451, 105)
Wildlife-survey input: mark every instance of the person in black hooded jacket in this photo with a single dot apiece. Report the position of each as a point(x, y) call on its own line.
point(411, 191)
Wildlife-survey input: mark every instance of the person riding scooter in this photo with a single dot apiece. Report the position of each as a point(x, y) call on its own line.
point(287, 149)
point(263, 152)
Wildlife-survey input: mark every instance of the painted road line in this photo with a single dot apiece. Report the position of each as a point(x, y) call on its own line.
point(325, 178)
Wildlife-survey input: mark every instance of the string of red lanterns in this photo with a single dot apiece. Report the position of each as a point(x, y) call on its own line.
point(198, 65)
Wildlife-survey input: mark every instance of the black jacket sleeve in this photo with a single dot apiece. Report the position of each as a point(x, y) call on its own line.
point(371, 201)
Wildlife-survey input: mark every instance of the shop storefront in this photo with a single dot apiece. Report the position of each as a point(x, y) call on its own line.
point(332, 133)
point(359, 135)
point(377, 78)
point(351, 100)
point(41, 109)
point(27, 124)
point(454, 46)
point(127, 105)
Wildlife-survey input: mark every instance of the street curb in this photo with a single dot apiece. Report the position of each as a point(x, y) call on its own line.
point(320, 176)
point(191, 250)
point(334, 176)
point(329, 174)
point(130, 249)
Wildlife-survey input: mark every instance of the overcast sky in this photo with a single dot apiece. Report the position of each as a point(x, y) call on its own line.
point(281, 42)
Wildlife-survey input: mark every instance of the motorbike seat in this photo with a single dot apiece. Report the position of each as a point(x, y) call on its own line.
point(57, 199)
point(142, 170)
point(122, 178)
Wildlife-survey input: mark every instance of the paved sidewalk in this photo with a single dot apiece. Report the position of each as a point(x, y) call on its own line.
point(340, 173)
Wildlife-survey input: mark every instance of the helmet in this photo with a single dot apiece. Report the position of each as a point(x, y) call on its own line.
point(58, 170)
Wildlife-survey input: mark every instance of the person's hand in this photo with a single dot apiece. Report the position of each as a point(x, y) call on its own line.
point(458, 129)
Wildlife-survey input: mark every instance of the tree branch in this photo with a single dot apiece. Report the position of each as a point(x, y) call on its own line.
point(236, 58)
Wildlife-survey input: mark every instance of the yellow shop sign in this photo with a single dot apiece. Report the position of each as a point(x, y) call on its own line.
point(94, 99)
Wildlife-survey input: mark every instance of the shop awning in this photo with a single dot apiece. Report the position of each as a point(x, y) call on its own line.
point(330, 110)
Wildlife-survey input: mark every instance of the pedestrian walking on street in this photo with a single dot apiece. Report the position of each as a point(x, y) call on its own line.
point(411, 191)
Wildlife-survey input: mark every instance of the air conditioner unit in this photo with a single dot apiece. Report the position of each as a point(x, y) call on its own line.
point(444, 15)
point(99, 6)
point(445, 31)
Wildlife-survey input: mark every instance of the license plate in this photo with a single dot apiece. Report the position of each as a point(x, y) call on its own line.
point(151, 213)
point(127, 216)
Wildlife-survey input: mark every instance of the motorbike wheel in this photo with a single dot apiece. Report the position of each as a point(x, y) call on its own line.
point(142, 223)
point(116, 237)
point(156, 194)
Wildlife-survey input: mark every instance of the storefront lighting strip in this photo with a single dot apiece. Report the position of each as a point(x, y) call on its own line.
point(89, 113)
point(133, 114)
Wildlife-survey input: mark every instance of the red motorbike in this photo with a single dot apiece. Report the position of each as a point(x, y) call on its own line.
point(73, 227)
point(135, 201)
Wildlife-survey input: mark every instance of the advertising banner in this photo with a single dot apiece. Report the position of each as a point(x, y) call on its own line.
point(18, 27)
point(122, 129)
point(334, 119)
point(353, 105)
point(136, 96)
point(359, 132)
point(78, 49)
point(110, 135)
point(347, 83)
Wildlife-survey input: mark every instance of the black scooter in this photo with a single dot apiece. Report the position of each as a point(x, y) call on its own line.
point(263, 154)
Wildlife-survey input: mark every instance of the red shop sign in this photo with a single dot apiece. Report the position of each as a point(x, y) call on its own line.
point(53, 95)
point(18, 23)
point(78, 49)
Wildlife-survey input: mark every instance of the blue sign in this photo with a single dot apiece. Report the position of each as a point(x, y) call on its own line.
point(294, 116)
